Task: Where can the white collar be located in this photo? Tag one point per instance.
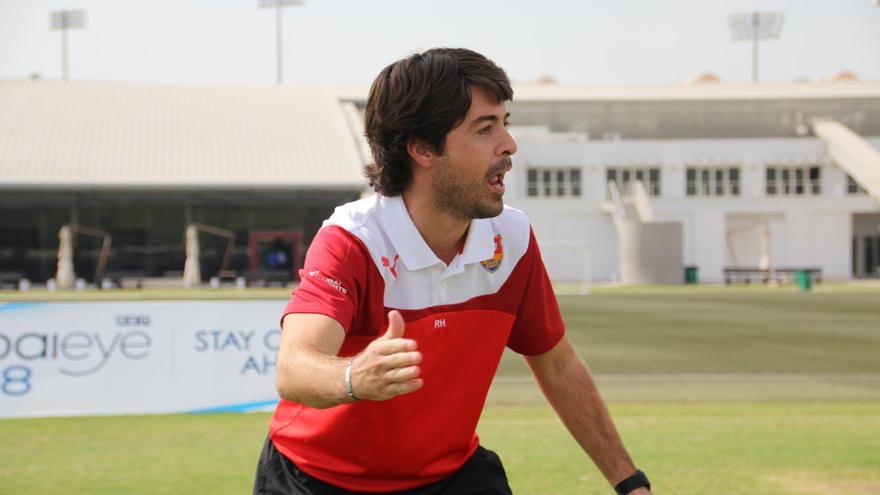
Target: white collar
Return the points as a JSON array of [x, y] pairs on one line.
[[411, 246]]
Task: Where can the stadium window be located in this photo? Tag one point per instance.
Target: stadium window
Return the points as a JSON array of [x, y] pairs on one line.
[[547, 175], [624, 176], [786, 181], [575, 175], [733, 177], [531, 182], [706, 182], [654, 181], [815, 174], [711, 181], [770, 181], [553, 182], [793, 181], [611, 175], [690, 185], [719, 182], [853, 187]]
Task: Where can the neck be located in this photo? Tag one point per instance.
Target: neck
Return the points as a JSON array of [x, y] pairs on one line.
[[443, 233]]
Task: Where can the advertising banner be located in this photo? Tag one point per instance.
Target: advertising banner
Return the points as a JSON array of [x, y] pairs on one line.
[[85, 358]]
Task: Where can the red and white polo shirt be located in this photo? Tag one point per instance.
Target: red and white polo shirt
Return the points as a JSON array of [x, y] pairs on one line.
[[369, 258]]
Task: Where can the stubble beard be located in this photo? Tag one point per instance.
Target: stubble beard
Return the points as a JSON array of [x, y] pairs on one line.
[[463, 198]]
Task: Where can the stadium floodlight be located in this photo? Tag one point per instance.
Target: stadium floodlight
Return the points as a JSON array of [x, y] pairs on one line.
[[62, 20], [278, 5], [756, 26]]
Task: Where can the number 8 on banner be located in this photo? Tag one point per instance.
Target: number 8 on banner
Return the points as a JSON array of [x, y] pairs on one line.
[[16, 380]]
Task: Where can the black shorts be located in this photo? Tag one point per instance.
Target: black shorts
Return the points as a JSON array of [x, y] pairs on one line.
[[482, 474]]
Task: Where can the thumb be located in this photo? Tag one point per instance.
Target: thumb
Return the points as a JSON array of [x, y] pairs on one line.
[[395, 325]]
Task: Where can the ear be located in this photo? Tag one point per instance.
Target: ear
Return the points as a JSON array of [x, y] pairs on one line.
[[422, 154]]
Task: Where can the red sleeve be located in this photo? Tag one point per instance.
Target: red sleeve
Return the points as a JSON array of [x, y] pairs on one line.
[[538, 325], [332, 278]]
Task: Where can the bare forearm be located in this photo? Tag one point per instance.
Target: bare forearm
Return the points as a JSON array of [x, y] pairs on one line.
[[312, 378], [310, 372], [572, 392]]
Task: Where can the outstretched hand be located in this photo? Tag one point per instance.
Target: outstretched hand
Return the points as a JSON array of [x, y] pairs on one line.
[[388, 367]]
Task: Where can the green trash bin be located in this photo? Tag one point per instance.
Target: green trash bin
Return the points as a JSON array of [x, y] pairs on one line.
[[690, 275], [804, 280]]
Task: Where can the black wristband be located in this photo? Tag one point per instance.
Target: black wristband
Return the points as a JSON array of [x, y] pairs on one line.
[[637, 480]]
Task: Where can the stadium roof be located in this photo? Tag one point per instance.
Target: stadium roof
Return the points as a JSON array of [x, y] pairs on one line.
[[103, 135], [697, 91], [712, 110], [120, 135]]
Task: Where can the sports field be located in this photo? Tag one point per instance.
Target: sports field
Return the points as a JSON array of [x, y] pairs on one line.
[[726, 390]]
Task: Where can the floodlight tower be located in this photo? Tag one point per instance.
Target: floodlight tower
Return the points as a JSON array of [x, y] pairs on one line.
[[756, 26], [62, 20], [279, 28]]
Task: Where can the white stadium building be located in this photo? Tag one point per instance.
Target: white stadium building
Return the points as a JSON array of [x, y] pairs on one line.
[[622, 183], [758, 177]]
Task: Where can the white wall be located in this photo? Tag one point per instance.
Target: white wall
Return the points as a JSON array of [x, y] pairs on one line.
[[831, 244]]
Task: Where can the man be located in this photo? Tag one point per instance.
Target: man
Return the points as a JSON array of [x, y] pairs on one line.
[[408, 299]]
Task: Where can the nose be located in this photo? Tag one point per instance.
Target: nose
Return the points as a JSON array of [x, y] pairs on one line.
[[508, 144]]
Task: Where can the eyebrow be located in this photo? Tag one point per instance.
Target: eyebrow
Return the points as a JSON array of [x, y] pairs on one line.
[[487, 118]]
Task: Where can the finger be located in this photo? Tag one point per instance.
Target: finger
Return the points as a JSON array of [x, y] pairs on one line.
[[395, 389], [395, 325], [400, 360], [395, 346], [400, 375]]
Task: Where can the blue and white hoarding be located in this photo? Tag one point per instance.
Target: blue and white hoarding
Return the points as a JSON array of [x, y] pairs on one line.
[[97, 358]]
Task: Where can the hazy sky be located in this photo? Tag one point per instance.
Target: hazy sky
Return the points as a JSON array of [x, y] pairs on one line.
[[349, 41]]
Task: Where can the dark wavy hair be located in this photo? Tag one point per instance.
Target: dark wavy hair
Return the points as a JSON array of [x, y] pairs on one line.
[[423, 97]]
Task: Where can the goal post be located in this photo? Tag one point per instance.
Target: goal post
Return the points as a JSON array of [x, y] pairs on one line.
[[568, 265]]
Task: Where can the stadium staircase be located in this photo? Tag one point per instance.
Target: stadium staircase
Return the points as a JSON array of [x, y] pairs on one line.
[[634, 207], [851, 152], [649, 252]]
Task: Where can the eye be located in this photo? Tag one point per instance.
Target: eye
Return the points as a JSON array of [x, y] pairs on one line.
[[485, 130], [506, 123]]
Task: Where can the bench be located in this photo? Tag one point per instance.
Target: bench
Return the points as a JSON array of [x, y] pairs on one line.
[[780, 275]]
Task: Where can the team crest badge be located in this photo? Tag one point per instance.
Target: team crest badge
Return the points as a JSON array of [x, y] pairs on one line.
[[492, 264]]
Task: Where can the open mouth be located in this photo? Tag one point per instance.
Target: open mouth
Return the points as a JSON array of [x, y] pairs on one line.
[[496, 183]]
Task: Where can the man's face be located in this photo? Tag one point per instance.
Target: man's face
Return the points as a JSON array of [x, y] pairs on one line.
[[468, 181]]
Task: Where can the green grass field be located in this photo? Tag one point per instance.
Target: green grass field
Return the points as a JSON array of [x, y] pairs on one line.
[[721, 390]]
